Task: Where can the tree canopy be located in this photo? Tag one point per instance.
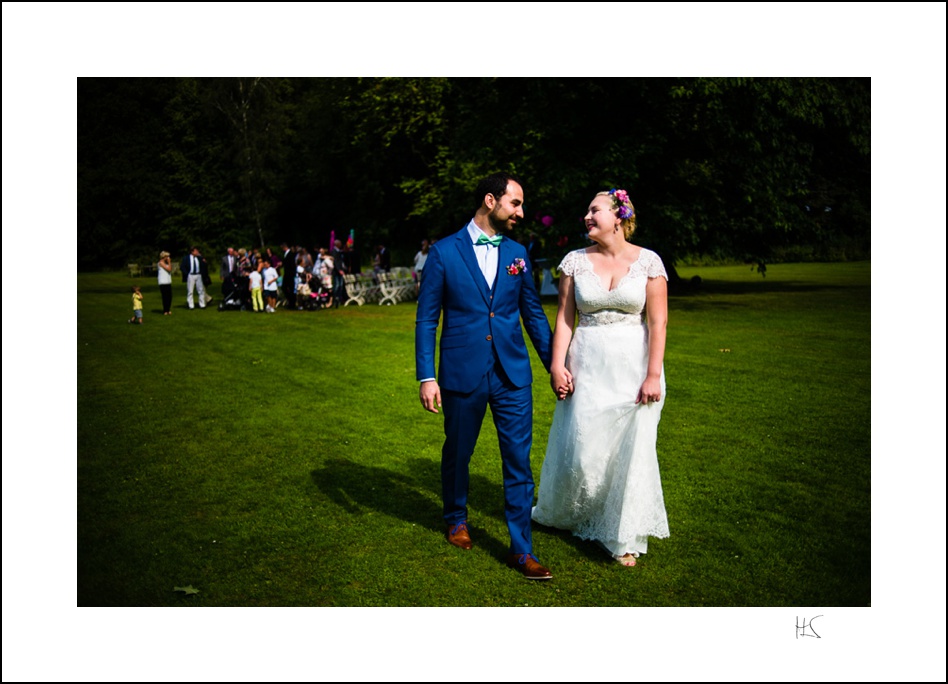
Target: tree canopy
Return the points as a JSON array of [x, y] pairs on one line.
[[731, 168]]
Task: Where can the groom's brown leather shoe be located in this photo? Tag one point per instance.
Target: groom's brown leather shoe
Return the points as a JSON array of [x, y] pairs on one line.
[[459, 536], [528, 566]]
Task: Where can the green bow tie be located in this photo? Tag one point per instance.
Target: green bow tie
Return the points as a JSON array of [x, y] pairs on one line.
[[484, 240]]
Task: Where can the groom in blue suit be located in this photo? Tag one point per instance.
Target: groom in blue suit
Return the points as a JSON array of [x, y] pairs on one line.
[[478, 280]]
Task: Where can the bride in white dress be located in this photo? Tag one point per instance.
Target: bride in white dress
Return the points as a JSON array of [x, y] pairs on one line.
[[600, 477]]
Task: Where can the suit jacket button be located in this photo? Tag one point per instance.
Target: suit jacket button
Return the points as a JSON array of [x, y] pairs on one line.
[[491, 314], [489, 338]]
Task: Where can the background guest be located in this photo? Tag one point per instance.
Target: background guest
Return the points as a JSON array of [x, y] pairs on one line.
[[339, 272], [289, 275], [164, 281], [419, 264], [191, 271], [230, 264]]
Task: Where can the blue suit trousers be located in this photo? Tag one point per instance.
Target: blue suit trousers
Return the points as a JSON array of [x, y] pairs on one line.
[[512, 410]]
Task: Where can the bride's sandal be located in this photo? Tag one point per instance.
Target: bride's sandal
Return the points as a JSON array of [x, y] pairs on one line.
[[627, 560]]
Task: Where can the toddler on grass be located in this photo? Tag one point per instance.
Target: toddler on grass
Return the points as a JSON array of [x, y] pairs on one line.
[[136, 305]]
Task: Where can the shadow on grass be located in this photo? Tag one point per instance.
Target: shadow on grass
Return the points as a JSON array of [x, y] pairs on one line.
[[589, 550], [353, 486], [701, 297], [416, 499], [727, 287]]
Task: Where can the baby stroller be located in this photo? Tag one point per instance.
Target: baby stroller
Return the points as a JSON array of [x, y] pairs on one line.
[[231, 291], [321, 295], [322, 284], [309, 295]]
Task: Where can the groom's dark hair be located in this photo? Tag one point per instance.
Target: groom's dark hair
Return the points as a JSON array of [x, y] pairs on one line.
[[496, 185]]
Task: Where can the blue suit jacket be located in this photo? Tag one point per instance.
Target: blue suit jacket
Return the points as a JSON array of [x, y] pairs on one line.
[[477, 321]]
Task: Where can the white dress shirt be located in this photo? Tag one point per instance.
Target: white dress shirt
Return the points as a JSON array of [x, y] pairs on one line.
[[487, 255]]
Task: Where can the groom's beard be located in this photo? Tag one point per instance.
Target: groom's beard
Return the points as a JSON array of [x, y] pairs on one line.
[[500, 224]]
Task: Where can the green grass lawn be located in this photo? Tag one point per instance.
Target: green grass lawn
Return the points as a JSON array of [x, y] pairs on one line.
[[285, 460]]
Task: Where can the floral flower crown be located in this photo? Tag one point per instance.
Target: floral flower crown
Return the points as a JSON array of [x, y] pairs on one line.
[[620, 198]]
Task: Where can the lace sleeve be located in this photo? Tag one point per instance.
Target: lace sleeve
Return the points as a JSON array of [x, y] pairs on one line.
[[569, 263], [655, 268]]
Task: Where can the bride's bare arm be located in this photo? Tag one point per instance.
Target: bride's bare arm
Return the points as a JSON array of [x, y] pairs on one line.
[[561, 380], [656, 298]]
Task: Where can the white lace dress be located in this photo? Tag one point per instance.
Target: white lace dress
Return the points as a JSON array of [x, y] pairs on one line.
[[600, 477]]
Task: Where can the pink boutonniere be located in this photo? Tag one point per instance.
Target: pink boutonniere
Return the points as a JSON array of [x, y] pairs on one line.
[[517, 267]]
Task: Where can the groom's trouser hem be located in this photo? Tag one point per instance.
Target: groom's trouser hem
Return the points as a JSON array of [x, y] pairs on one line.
[[512, 410]]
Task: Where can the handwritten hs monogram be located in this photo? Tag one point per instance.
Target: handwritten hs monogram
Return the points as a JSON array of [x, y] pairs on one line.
[[804, 626]]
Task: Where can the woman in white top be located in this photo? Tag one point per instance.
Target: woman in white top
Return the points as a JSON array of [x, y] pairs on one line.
[[164, 281]]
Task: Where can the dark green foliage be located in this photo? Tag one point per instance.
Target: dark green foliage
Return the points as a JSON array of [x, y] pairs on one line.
[[284, 460], [757, 170], [122, 186]]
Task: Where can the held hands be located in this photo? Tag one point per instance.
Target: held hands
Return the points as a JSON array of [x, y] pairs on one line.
[[561, 380], [430, 395], [651, 391]]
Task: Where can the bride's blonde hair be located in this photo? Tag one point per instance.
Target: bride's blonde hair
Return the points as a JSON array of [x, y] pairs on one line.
[[622, 206]]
